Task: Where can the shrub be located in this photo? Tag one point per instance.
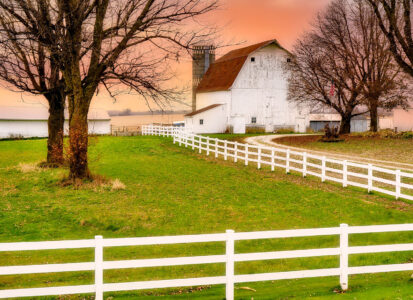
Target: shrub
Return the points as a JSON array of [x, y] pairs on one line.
[[229, 129], [407, 135], [309, 130], [286, 130], [15, 136], [331, 133], [385, 134], [255, 129]]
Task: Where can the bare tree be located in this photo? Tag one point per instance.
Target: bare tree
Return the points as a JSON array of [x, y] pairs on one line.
[[28, 66], [386, 85], [104, 43], [322, 71], [395, 20], [343, 63]]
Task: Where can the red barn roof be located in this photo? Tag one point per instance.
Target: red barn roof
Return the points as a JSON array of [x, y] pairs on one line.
[[222, 74]]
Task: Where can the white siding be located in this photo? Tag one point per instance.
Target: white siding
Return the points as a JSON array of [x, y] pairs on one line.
[[214, 121], [25, 129], [260, 91], [403, 119], [207, 99], [38, 128]]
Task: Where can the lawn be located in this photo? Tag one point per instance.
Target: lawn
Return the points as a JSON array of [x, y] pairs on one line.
[[399, 150], [172, 190]]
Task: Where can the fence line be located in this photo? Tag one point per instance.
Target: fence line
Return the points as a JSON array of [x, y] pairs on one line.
[[229, 258], [367, 176]]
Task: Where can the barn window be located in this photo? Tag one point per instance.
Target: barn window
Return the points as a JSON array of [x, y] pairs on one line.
[[288, 59], [252, 59], [254, 120], [201, 121]]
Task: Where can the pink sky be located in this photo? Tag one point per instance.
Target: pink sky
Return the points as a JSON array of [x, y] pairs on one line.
[[250, 21]]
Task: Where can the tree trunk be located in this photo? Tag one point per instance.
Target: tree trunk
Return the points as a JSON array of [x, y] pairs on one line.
[[345, 125], [55, 126], [373, 117], [78, 140]]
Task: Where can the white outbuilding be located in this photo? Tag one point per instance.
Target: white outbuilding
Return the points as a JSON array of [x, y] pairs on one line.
[[245, 88], [27, 122]]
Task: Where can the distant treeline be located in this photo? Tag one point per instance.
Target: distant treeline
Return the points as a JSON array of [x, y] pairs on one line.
[[129, 112]]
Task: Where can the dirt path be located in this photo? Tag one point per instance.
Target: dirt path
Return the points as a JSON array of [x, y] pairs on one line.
[[267, 140]]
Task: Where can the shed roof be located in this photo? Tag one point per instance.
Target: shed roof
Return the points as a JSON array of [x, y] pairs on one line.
[[40, 113], [222, 74], [202, 110]]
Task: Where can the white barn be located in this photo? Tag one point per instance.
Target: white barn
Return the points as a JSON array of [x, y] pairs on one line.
[[27, 122], [246, 88]]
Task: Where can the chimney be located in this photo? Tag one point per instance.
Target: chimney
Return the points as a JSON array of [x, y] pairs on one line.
[[202, 58]]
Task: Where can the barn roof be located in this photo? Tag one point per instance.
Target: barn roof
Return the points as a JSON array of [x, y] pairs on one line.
[[40, 113], [202, 110], [222, 74]]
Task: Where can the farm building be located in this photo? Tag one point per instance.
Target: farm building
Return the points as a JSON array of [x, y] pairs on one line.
[[29, 122], [398, 119], [246, 88], [327, 115]]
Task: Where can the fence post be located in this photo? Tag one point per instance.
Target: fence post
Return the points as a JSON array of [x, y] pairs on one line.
[[345, 167], [323, 169], [99, 267], [370, 178], [193, 142], [179, 138], [230, 265], [225, 150], [259, 158], [305, 164], [272, 160], [287, 162], [246, 154], [398, 184], [207, 145], [216, 147], [236, 152], [344, 257], [200, 144]]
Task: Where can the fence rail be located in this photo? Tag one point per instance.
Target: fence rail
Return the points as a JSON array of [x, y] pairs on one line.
[[229, 258], [396, 183]]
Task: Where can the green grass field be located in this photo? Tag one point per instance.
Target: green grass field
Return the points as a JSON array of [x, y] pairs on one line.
[[171, 191]]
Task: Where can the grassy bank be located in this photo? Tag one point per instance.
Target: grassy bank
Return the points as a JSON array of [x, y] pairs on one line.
[[390, 149], [172, 190]]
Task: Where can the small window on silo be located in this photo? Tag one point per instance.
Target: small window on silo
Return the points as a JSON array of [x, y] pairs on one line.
[[252, 59]]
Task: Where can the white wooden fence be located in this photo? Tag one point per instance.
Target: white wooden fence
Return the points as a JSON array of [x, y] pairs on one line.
[[229, 258], [367, 176]]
